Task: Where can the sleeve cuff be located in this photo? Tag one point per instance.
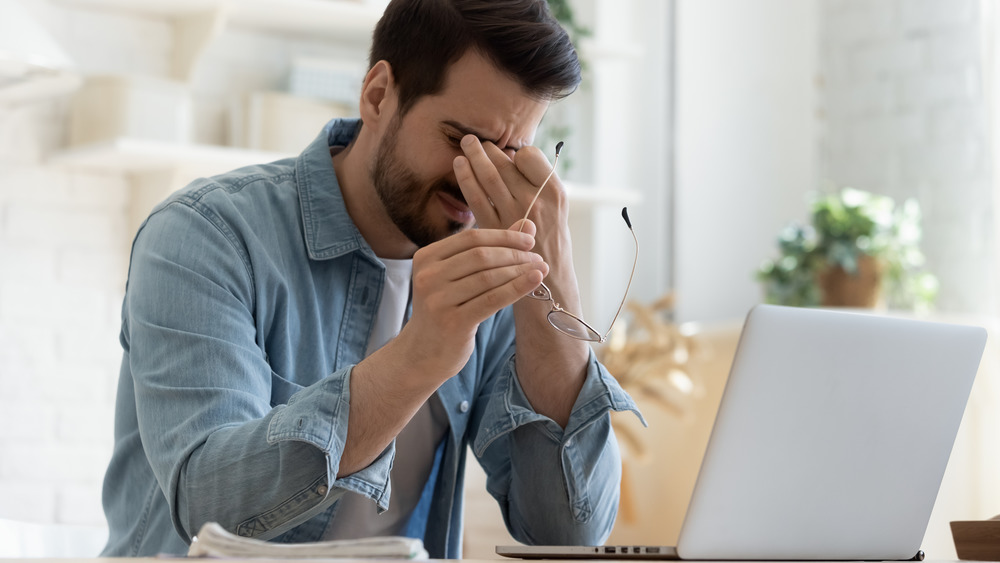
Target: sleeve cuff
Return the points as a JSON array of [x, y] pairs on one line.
[[509, 408], [320, 418]]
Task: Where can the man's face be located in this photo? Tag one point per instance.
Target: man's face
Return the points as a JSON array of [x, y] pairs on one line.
[[412, 167]]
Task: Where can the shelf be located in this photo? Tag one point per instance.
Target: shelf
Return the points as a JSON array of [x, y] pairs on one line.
[[125, 156], [199, 22], [129, 156], [36, 88], [332, 18]]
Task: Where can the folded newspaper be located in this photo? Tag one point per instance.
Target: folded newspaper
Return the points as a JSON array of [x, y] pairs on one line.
[[214, 541]]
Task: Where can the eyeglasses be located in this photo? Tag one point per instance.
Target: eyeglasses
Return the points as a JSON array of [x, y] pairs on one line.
[[561, 319]]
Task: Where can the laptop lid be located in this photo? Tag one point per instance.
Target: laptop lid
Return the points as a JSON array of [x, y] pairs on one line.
[[832, 437]]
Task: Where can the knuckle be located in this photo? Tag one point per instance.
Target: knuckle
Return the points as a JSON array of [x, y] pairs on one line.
[[423, 279], [476, 236], [494, 299], [494, 179], [487, 277], [480, 254], [505, 165], [419, 257]]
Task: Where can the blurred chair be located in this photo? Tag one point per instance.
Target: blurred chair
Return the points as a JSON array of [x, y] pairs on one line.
[[657, 486], [29, 539], [659, 472]]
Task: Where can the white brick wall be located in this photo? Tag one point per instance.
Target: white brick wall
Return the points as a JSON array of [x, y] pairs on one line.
[[64, 242], [63, 257], [904, 115], [62, 264]]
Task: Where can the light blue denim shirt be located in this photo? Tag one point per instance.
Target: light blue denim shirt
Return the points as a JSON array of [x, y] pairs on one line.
[[250, 297]]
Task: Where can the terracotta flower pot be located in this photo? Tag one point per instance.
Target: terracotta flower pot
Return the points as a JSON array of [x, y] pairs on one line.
[[838, 288]]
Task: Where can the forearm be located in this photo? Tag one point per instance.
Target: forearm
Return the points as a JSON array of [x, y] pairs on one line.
[[551, 366], [386, 390]]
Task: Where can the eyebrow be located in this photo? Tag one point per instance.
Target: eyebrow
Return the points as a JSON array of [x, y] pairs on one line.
[[466, 130]]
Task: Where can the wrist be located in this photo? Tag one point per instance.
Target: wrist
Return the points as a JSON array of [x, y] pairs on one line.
[[427, 361]]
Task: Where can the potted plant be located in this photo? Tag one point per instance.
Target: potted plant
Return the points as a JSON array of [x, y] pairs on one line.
[[859, 250]]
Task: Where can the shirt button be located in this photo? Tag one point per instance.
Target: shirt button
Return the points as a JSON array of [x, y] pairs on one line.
[[321, 490], [569, 443], [463, 406]]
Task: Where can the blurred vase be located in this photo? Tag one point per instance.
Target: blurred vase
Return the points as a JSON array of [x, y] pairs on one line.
[[839, 288]]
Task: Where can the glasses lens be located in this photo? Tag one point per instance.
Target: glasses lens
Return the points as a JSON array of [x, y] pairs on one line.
[[572, 326]]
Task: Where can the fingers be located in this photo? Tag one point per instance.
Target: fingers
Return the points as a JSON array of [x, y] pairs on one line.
[[526, 226], [531, 163], [487, 303], [483, 185], [482, 259], [484, 292], [479, 202], [471, 275], [476, 252], [475, 238], [494, 185]]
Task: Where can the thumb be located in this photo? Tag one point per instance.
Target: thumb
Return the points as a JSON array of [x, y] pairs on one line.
[[526, 226]]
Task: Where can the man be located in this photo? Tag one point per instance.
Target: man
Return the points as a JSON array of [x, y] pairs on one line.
[[275, 348]]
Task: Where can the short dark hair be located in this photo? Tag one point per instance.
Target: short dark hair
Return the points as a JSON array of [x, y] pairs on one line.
[[420, 39]]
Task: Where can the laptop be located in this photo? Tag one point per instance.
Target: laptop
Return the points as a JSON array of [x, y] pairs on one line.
[[830, 441]]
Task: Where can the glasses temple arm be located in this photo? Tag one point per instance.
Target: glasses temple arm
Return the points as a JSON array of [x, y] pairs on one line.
[[635, 260], [542, 187]]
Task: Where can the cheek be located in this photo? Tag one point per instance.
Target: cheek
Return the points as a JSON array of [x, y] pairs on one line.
[[429, 161], [438, 165]]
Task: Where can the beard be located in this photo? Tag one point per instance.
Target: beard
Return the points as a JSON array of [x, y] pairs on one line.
[[403, 195]]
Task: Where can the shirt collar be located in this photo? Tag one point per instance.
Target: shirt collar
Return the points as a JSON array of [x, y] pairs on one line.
[[328, 229]]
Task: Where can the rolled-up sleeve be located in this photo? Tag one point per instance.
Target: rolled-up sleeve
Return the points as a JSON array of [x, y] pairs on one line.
[[555, 486], [223, 443]]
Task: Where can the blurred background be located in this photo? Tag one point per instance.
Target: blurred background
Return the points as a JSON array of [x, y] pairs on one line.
[[716, 121]]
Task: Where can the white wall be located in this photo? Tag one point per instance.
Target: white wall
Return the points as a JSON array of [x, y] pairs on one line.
[[62, 262], [64, 241], [781, 98], [63, 256], [906, 116], [745, 140]]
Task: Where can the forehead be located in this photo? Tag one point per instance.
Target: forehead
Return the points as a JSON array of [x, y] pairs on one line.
[[486, 100]]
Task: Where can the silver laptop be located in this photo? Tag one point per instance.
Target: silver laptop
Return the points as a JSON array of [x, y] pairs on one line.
[[830, 442]]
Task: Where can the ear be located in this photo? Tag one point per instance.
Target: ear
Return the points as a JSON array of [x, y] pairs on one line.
[[378, 95]]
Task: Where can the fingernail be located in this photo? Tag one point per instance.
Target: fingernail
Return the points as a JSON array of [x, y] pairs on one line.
[[468, 141]]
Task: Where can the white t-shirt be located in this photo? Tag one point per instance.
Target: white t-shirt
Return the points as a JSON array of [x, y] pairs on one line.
[[356, 515]]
